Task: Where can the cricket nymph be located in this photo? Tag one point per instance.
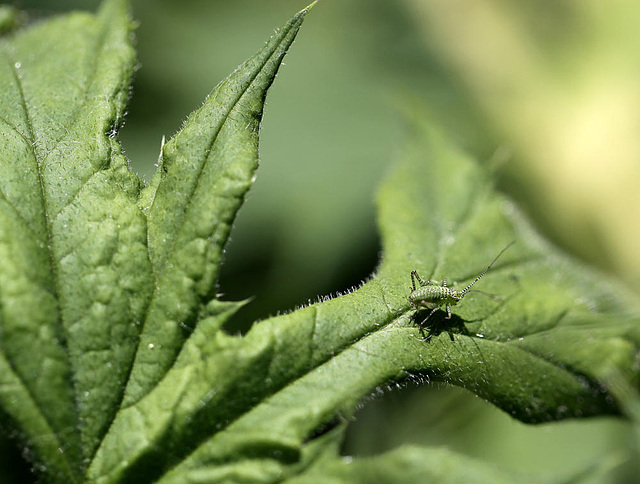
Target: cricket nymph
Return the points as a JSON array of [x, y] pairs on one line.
[[433, 295]]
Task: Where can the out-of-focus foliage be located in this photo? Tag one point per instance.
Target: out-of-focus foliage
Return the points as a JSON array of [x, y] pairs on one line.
[[559, 84]]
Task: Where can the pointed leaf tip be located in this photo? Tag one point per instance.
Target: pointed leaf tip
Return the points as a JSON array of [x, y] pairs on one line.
[[309, 7], [188, 221]]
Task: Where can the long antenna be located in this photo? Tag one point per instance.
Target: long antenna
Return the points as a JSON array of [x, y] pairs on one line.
[[466, 289]]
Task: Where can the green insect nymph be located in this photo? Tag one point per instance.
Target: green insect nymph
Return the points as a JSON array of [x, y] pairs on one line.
[[434, 295]]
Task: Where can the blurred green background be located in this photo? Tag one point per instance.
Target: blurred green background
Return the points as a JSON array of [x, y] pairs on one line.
[[549, 89]]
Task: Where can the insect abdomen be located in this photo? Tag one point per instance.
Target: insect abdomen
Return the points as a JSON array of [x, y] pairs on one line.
[[433, 296]]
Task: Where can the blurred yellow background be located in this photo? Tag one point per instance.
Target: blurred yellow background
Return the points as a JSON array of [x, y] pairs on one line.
[[559, 83]]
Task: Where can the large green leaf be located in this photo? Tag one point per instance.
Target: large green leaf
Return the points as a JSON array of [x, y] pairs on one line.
[[96, 275], [114, 366], [538, 354]]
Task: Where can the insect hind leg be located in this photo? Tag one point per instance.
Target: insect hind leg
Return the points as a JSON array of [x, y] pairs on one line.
[[428, 282], [421, 323]]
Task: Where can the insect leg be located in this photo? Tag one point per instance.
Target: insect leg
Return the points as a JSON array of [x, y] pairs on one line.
[[421, 324], [414, 276], [444, 283], [428, 337], [448, 312]]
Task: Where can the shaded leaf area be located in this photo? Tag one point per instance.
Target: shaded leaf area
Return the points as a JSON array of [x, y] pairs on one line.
[[9, 18]]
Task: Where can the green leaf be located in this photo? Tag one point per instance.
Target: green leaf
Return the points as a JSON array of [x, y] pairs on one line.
[[90, 260], [296, 376], [113, 364], [559, 329], [204, 173], [72, 247]]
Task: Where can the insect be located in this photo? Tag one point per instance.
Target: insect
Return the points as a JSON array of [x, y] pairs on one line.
[[434, 295]]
